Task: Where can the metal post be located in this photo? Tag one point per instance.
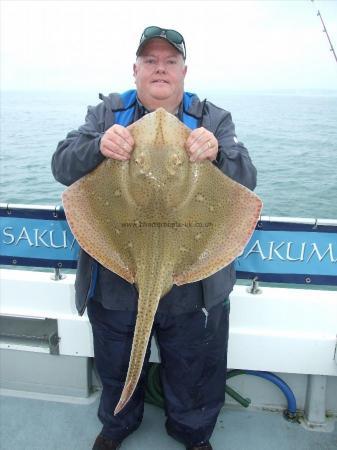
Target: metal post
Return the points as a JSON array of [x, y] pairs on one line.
[[315, 405], [254, 287], [57, 275]]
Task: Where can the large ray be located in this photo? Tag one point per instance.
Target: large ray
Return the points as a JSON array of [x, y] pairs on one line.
[[159, 220]]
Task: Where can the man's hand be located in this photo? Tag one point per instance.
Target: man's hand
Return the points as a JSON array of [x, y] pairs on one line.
[[202, 144], [117, 143]]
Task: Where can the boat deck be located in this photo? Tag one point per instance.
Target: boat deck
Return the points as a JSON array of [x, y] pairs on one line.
[[32, 424]]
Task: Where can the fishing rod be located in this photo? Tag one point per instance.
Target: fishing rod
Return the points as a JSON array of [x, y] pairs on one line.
[[327, 34]]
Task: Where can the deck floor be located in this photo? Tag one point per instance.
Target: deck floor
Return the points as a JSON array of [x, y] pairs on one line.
[[29, 424]]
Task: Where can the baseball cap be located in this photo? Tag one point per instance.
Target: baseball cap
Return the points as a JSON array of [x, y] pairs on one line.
[[171, 36]]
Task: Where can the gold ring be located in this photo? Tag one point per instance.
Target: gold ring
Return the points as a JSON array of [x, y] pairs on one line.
[[209, 144]]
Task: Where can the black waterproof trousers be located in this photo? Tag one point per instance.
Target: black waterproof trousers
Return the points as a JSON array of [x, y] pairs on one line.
[[193, 351]]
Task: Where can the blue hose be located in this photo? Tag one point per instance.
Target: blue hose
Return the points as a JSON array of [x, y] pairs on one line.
[[154, 393], [291, 411]]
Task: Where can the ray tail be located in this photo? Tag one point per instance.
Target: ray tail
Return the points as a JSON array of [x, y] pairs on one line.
[[147, 307]]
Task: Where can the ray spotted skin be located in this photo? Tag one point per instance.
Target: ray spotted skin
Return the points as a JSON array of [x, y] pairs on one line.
[[158, 220]]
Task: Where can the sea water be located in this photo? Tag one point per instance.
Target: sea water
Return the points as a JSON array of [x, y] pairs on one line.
[[291, 138]]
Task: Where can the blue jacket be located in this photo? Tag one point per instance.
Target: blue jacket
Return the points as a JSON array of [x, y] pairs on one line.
[[79, 154]]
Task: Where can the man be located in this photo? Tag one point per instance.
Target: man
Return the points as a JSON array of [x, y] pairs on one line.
[[191, 323]]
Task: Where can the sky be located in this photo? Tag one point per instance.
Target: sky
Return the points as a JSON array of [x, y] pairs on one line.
[[231, 45]]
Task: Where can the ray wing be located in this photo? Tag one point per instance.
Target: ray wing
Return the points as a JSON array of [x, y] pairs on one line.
[[219, 220], [99, 217]]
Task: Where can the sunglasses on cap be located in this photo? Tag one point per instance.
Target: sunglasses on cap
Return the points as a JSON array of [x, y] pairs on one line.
[[172, 36]]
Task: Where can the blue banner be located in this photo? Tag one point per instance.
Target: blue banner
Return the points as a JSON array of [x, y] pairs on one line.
[[278, 251], [290, 256], [39, 242]]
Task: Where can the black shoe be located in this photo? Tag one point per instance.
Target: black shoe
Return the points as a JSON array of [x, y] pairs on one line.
[[103, 443], [203, 446]]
